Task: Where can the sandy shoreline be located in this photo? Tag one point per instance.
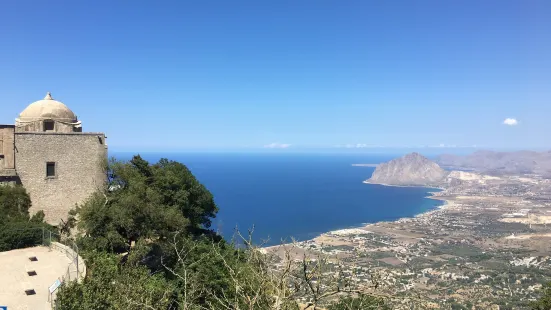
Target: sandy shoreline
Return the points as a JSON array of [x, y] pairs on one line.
[[454, 249], [365, 165], [358, 229], [393, 185], [446, 204]]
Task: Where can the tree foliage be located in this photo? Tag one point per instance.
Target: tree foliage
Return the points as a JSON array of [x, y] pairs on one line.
[[145, 202], [147, 245], [17, 228], [111, 285], [14, 202], [544, 302]]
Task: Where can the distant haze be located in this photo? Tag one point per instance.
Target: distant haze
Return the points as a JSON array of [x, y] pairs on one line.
[[520, 162]]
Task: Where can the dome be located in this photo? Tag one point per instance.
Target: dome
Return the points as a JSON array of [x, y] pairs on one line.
[[48, 108]]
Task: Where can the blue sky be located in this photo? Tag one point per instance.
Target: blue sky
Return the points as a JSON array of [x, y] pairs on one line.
[[176, 75]]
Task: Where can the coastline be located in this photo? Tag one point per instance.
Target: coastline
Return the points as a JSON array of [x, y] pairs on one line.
[[366, 165], [354, 230], [394, 185], [363, 228], [453, 249]]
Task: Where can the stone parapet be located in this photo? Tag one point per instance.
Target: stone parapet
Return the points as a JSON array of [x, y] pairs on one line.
[[78, 267]]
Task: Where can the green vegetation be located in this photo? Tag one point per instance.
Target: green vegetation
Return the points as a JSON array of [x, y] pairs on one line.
[[458, 250], [110, 285], [17, 228], [14, 202], [339, 248], [145, 202], [544, 302], [363, 302], [147, 245]]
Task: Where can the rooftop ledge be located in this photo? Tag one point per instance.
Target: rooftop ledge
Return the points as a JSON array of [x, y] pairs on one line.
[[59, 133], [8, 173]]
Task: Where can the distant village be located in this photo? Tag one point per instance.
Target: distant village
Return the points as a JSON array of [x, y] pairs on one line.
[[487, 246]]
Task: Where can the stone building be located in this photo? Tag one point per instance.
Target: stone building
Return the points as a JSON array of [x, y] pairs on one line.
[[48, 153]]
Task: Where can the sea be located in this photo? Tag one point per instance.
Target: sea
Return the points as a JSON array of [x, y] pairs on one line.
[[280, 196]]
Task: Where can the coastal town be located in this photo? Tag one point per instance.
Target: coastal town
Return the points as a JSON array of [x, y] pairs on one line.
[[487, 246]]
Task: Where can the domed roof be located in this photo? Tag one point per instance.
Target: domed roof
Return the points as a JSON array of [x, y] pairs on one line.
[[48, 108]]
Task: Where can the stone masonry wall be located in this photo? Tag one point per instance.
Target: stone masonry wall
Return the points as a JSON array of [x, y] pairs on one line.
[[78, 158], [6, 147]]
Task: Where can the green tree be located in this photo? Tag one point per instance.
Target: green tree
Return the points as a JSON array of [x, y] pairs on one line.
[[544, 302], [17, 228], [148, 232], [145, 202], [111, 285], [147, 244], [14, 202]]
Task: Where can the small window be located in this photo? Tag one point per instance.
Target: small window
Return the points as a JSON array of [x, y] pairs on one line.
[[50, 169], [48, 125]]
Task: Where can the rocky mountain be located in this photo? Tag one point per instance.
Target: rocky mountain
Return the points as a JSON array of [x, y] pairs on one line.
[[499, 163], [411, 169]]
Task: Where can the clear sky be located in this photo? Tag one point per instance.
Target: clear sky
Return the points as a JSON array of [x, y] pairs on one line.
[[172, 75]]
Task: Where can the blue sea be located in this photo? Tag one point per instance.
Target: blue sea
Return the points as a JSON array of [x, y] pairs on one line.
[[296, 195]]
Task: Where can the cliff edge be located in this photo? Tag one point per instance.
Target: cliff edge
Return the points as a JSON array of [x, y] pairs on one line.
[[411, 169]]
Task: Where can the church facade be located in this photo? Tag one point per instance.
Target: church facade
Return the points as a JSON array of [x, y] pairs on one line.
[[49, 154]]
